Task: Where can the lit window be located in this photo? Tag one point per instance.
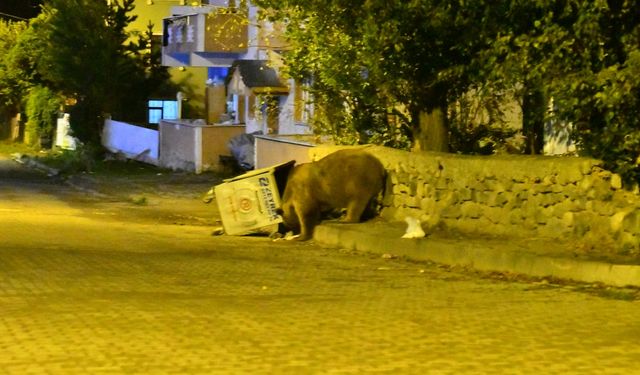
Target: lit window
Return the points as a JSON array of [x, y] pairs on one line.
[[162, 109], [155, 115]]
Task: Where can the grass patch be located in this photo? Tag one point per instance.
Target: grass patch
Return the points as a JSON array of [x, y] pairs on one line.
[[107, 167], [8, 148], [89, 160]]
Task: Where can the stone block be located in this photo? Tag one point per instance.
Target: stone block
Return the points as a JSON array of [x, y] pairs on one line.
[[441, 184], [586, 221], [388, 199], [603, 208], [484, 225], [519, 179], [629, 242], [579, 204], [485, 197], [616, 181], [412, 201], [569, 176], [516, 216], [568, 219], [400, 168], [499, 186], [586, 183], [389, 213], [530, 224], [476, 185], [561, 208], [431, 222], [451, 212], [496, 215], [465, 194], [529, 208], [556, 226], [603, 189], [513, 201], [401, 188], [460, 182], [617, 220], [413, 186], [471, 210], [428, 190], [623, 200], [428, 205], [549, 180], [399, 200], [549, 199], [393, 177], [632, 222], [523, 195], [542, 215], [497, 199], [448, 198], [587, 166], [420, 190], [537, 189]]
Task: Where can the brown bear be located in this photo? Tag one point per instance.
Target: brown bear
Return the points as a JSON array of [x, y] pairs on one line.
[[346, 179]]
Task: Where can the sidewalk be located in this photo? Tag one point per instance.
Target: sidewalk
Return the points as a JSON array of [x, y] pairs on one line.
[[533, 257]]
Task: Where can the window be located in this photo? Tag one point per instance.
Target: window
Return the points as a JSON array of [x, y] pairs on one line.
[[162, 109], [302, 106]]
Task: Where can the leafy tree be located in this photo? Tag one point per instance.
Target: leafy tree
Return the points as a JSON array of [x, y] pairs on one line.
[[90, 58], [79, 50], [42, 108], [601, 90], [386, 68], [327, 52], [12, 81], [148, 55], [386, 71], [16, 71], [585, 55]]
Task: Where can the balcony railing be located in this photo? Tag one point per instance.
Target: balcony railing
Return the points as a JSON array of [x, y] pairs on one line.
[[224, 30]]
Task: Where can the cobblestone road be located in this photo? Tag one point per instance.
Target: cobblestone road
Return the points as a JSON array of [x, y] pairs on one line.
[[87, 289]]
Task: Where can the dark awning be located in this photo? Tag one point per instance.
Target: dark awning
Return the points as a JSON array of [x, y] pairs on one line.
[[256, 76]]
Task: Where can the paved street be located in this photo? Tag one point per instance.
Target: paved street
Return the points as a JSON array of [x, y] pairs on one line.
[[103, 284]]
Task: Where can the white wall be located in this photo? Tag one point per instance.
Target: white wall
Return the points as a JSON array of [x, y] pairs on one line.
[[131, 140], [63, 137], [287, 123]]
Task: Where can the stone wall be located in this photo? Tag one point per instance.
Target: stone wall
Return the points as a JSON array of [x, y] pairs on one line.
[[568, 198]]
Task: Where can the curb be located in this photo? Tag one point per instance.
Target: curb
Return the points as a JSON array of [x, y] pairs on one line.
[[35, 164], [483, 255]]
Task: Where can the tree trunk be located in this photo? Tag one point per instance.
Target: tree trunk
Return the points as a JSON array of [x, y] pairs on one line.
[[432, 133], [533, 110], [10, 128]]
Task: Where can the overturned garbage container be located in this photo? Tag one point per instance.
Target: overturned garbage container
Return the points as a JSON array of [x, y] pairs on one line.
[[249, 202]]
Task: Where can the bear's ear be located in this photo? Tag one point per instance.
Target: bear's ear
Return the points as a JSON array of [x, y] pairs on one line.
[[279, 211]]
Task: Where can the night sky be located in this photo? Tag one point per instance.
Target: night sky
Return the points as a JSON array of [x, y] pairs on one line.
[[16, 10]]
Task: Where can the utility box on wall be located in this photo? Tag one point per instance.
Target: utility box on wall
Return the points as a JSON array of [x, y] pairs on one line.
[[250, 201]]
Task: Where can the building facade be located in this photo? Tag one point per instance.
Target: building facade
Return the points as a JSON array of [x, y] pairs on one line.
[[240, 52]]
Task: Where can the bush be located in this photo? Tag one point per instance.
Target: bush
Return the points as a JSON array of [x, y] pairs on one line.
[[42, 110]]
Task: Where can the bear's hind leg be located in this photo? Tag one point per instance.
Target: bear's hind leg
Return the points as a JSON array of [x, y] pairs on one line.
[[354, 210]]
